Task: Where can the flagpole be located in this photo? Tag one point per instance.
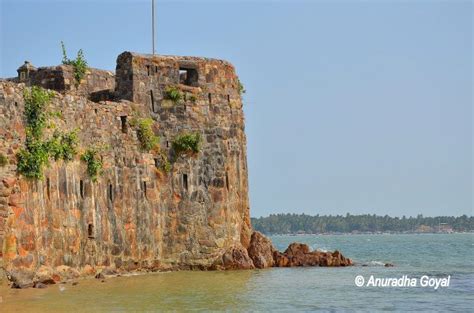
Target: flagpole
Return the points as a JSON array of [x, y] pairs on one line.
[[153, 25]]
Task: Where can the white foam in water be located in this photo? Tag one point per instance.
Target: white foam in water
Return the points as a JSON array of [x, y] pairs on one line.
[[376, 263]]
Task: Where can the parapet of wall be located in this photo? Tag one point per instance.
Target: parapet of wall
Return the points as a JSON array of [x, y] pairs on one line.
[[61, 78], [135, 215]]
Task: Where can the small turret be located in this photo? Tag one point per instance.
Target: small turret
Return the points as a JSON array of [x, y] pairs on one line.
[[25, 71]]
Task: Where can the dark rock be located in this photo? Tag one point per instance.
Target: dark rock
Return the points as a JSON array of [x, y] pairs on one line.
[[261, 250], [298, 254], [21, 279], [100, 276], [235, 258], [40, 285], [389, 265]]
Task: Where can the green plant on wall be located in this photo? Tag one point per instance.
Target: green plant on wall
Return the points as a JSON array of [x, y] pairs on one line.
[[33, 158], [79, 64], [145, 134], [36, 154], [3, 160], [241, 87], [164, 163], [94, 163], [63, 145], [36, 102], [173, 93], [187, 143]]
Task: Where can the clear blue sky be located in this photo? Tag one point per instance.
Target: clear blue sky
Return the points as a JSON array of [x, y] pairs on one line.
[[360, 107]]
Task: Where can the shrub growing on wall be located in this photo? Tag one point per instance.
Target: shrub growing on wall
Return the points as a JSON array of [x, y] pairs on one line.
[[32, 159], [187, 143], [174, 94], [36, 102], [94, 163], [63, 146], [3, 160], [79, 64], [145, 133], [35, 155]]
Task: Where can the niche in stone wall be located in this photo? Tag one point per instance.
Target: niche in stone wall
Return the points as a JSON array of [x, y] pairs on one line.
[[111, 193], [123, 121], [144, 188], [90, 231], [148, 70], [227, 180], [152, 99], [185, 182], [48, 188], [188, 76], [81, 188]]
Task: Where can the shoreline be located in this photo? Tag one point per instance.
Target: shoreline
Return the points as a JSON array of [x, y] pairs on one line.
[[371, 233]]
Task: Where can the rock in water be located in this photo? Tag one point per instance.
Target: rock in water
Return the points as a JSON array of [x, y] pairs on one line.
[[299, 254], [261, 250]]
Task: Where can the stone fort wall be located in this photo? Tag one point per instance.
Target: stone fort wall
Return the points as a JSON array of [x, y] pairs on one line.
[[136, 216]]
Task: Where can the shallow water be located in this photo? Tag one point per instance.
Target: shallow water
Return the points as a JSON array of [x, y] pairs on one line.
[[289, 289]]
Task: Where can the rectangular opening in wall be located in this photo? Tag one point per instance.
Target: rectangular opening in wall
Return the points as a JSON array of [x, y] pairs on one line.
[[123, 121], [188, 76], [185, 181], [148, 70], [90, 231], [152, 99], [81, 188], [156, 69], [144, 188], [48, 188], [209, 96], [228, 99], [227, 180], [111, 193]]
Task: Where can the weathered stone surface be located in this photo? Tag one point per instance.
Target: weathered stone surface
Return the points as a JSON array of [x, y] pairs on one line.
[[261, 250], [21, 278], [136, 216], [235, 258], [45, 275]]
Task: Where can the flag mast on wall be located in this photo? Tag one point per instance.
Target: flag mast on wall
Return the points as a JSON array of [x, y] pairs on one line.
[[153, 25]]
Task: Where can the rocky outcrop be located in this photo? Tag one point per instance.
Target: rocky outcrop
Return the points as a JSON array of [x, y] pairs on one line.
[[261, 250], [299, 254], [264, 255]]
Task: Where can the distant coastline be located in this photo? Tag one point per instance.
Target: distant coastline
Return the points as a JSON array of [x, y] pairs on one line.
[[303, 224]]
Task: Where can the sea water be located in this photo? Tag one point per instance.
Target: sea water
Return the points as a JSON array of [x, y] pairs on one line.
[[436, 256]]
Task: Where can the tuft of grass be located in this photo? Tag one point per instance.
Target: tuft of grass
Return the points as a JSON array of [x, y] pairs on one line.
[[187, 143], [146, 136], [3, 160], [174, 94]]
